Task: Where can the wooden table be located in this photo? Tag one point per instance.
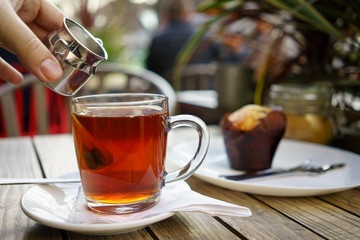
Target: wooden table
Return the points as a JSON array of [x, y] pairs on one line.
[[334, 216]]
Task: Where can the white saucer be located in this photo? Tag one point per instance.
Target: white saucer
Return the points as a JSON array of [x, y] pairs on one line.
[[290, 153], [51, 205]]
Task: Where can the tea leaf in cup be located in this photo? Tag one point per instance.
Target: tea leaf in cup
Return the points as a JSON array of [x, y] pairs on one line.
[[96, 160]]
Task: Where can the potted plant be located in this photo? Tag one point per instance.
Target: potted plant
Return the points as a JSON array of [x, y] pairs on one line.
[[325, 33]]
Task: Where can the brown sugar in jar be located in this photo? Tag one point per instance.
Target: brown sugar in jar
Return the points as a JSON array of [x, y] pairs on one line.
[[307, 110]]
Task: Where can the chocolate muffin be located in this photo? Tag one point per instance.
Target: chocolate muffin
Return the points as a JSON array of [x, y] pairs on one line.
[[251, 136]]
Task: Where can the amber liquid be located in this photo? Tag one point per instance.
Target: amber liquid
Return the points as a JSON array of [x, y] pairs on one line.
[[120, 153]]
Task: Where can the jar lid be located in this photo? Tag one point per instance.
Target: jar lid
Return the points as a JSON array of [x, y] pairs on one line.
[[300, 98]]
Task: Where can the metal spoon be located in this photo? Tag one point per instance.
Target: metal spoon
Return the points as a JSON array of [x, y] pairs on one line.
[[303, 168], [12, 181]]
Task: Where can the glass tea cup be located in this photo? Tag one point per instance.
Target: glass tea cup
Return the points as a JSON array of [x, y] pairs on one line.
[[120, 142]]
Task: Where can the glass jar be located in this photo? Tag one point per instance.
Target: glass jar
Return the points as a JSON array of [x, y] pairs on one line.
[[307, 109]]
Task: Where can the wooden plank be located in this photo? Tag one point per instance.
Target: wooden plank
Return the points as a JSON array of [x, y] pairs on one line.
[[326, 219], [18, 159], [57, 154], [265, 223], [191, 226], [348, 200], [140, 234]]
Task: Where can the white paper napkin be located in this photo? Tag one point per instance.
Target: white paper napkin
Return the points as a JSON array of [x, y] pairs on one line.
[[174, 198]]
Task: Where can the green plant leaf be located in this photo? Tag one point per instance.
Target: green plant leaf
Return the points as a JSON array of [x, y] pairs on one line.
[[262, 69], [306, 12]]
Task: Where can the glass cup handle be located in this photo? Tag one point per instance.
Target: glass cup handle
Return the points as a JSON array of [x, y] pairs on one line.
[[202, 148]]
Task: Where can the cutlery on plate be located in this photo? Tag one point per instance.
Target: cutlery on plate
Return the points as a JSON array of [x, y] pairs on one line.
[[303, 168], [12, 181]]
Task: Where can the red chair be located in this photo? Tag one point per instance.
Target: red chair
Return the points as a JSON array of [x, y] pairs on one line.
[[30, 108]]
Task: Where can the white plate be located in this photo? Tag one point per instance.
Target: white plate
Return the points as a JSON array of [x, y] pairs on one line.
[[51, 206], [290, 153]]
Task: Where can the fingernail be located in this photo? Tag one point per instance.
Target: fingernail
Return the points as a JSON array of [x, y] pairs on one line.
[[51, 70]]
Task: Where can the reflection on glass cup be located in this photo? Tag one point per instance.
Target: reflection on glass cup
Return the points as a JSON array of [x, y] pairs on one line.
[[120, 142]]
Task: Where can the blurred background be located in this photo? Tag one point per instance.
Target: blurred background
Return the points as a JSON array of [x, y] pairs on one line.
[[125, 26]]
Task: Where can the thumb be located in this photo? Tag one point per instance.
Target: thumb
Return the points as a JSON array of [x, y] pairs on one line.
[[31, 52], [39, 61]]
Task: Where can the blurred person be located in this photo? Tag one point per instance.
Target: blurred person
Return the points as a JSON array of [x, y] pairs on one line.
[[234, 49], [23, 24], [167, 43]]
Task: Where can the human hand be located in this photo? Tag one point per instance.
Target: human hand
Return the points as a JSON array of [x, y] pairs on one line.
[[23, 25]]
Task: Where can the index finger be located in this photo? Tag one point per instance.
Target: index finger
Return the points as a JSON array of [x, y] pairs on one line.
[[49, 16]]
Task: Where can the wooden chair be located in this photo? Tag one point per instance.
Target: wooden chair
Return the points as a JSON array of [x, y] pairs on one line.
[[110, 77], [199, 77], [32, 103], [117, 78]]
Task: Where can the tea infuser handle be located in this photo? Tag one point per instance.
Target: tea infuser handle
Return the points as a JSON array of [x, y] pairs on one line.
[[99, 41], [201, 151], [55, 52]]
